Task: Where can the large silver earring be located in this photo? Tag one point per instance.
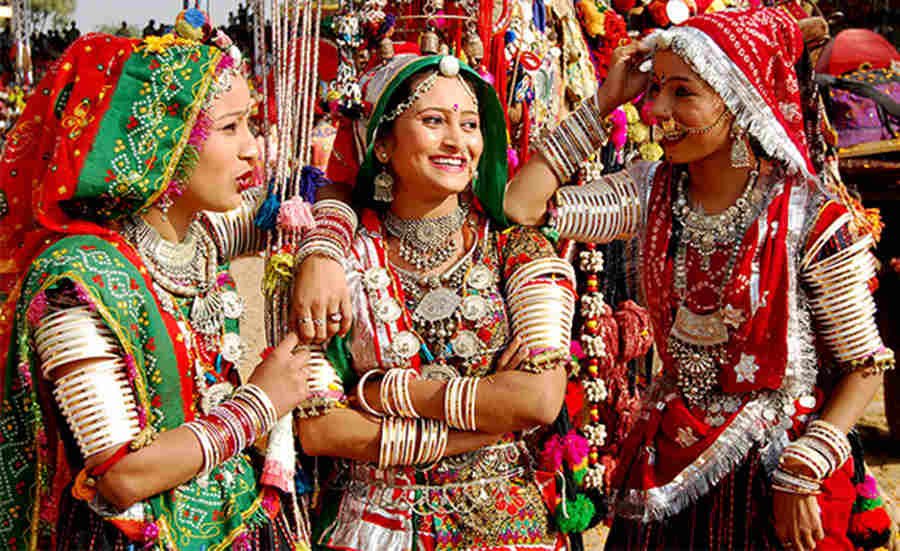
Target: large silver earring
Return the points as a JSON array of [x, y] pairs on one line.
[[741, 157], [384, 186]]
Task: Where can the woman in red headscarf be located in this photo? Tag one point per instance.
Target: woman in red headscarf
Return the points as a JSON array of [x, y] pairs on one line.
[[123, 421], [758, 284]]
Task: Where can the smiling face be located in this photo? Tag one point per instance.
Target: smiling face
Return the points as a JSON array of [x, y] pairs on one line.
[[693, 117], [433, 148], [226, 157]]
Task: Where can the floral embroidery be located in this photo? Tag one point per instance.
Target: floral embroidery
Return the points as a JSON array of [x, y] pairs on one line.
[[746, 369]]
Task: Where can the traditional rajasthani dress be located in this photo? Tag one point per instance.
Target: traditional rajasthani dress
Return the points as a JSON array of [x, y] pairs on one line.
[[490, 497], [752, 331], [447, 327], [107, 130]]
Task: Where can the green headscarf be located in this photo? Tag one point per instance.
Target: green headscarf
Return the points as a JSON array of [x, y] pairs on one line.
[[379, 87]]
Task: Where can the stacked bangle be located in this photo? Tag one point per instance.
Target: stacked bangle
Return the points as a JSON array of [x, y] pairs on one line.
[[460, 396], [823, 449], [843, 305], [411, 441], [333, 234], [396, 399], [574, 140], [233, 425], [598, 212], [541, 300]]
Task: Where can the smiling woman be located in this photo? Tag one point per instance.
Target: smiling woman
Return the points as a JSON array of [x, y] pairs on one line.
[[460, 332]]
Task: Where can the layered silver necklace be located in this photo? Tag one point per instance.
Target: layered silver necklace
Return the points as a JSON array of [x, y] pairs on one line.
[[426, 243], [186, 269], [697, 341]]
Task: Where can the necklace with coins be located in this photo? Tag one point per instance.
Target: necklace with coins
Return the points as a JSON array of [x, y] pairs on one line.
[[697, 342], [439, 303], [426, 243], [187, 273]]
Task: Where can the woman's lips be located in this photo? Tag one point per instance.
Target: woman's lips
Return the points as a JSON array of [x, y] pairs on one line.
[[245, 180], [453, 165]]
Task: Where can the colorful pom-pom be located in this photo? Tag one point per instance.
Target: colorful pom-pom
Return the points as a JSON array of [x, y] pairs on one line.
[[267, 216], [295, 215], [619, 134], [575, 514]]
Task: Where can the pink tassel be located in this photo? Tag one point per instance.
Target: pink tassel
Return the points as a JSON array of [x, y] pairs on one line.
[[551, 456], [576, 448], [619, 134], [512, 159], [868, 488], [295, 215]]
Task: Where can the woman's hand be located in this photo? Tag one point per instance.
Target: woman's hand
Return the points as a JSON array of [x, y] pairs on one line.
[[282, 375], [798, 521], [514, 356], [320, 300], [625, 79]]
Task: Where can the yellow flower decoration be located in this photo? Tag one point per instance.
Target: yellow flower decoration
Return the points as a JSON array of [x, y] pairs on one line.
[[158, 44], [638, 132], [631, 113], [651, 151]]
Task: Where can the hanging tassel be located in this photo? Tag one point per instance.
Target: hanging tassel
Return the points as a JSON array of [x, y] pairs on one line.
[[539, 13], [311, 179], [267, 216]]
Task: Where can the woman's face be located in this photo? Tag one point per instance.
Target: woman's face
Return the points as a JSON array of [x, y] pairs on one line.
[[682, 100], [226, 157], [434, 147]]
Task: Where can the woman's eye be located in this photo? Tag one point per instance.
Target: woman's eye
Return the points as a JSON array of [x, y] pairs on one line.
[[229, 127], [432, 119], [470, 125], [683, 92]]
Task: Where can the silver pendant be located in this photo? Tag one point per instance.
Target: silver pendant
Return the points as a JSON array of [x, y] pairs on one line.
[[214, 395], [439, 372], [405, 345], [699, 329], [437, 305], [232, 305], [480, 277], [474, 307], [466, 344], [232, 347], [387, 310], [377, 279]]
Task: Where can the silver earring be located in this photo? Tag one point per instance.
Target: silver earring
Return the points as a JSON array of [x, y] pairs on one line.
[[384, 187], [741, 157]]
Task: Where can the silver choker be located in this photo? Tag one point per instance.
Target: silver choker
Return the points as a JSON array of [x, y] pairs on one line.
[[426, 243]]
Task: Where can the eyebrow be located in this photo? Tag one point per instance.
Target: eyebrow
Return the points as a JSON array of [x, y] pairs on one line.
[[446, 110], [235, 113], [678, 78]]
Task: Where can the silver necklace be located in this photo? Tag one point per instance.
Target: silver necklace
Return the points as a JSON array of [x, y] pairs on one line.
[[697, 341], [426, 243], [708, 231]]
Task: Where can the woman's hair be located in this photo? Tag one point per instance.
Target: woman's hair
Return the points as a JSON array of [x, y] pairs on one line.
[[363, 193]]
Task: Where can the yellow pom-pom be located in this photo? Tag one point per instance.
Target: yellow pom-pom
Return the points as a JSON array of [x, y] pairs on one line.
[[631, 113], [593, 19], [279, 271], [651, 151], [638, 132]]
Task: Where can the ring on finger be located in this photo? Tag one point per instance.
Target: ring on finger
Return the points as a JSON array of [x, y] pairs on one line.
[[318, 322], [335, 317], [305, 320]]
